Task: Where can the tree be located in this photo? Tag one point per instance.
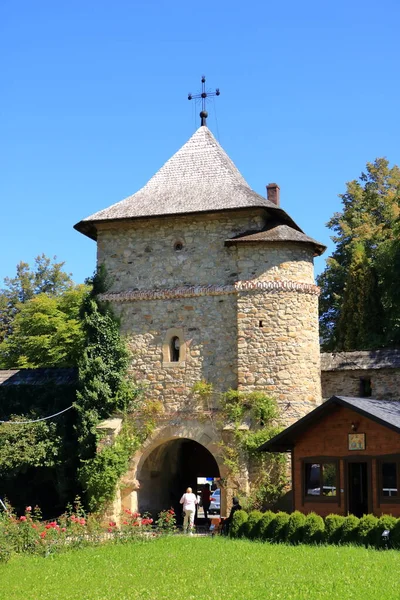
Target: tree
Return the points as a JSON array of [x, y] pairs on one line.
[[46, 277], [355, 296], [47, 331], [104, 390]]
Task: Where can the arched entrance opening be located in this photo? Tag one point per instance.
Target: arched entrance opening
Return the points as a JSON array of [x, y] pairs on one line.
[[169, 470]]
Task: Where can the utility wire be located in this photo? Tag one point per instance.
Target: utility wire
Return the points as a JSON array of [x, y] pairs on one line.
[[37, 420]]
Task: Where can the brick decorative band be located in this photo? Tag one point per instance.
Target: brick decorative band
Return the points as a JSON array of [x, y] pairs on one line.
[[189, 291]]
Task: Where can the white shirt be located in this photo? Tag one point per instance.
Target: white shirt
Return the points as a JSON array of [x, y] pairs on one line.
[[189, 501]]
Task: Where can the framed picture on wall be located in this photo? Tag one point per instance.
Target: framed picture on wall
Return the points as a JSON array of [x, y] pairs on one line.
[[356, 441]]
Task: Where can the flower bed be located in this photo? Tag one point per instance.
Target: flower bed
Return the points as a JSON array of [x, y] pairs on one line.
[[28, 533]]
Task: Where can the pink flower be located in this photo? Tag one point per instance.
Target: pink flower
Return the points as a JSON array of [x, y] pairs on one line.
[[22, 518], [82, 521], [112, 524], [28, 509], [63, 529]]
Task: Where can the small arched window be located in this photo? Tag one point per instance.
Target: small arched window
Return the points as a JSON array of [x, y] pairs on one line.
[[174, 349]]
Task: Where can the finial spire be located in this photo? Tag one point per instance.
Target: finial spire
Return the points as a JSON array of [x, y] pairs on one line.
[[203, 96]]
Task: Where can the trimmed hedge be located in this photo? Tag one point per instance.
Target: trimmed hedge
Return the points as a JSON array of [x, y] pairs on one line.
[[297, 528]]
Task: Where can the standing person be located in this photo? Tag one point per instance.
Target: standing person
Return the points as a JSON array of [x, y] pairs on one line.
[[206, 500], [189, 502]]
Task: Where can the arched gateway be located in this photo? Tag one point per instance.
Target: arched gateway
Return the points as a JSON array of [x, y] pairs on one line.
[[171, 460], [169, 469]]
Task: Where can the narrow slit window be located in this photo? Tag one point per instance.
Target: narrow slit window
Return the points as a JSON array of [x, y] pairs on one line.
[[175, 349], [365, 387]]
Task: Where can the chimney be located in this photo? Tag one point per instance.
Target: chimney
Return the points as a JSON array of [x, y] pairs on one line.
[[273, 190]]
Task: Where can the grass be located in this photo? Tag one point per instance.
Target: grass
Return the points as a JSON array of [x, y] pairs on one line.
[[204, 569]]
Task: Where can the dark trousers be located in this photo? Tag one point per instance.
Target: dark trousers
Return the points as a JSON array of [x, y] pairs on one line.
[[206, 508]]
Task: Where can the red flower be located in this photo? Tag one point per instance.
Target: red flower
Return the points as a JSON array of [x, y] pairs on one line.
[[43, 535], [34, 526], [82, 521], [22, 518], [112, 524], [125, 522]]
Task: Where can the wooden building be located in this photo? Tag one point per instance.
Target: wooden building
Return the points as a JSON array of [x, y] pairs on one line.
[[345, 457]]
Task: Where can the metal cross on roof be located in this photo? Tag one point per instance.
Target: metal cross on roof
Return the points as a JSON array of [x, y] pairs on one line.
[[203, 96]]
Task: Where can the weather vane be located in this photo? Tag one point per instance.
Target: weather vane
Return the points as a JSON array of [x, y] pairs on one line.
[[203, 96]]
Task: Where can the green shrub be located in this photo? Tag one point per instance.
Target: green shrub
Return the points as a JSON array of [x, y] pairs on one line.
[[384, 522], [262, 527], [250, 527], [366, 530], [350, 530], [395, 535], [313, 529], [295, 527], [333, 528], [237, 526], [277, 530]]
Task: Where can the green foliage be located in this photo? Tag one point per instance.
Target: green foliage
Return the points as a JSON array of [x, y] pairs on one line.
[[277, 530], [104, 390], [395, 535], [47, 277], [313, 529], [166, 521], [259, 413], [261, 530], [31, 445], [359, 304], [366, 530], [250, 528], [350, 530], [99, 475], [295, 527], [237, 527], [385, 522], [333, 528], [47, 332]]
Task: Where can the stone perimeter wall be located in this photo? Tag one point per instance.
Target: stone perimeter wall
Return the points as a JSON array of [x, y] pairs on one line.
[[385, 383]]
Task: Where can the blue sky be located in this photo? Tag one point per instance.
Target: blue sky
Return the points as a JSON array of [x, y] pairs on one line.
[[94, 100]]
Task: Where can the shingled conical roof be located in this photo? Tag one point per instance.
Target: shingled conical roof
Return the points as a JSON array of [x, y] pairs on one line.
[[200, 177]]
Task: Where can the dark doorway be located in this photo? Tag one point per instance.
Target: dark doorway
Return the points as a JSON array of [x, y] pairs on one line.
[[169, 470], [357, 488]]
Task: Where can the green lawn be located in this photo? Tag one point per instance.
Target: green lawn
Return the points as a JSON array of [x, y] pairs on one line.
[[180, 568]]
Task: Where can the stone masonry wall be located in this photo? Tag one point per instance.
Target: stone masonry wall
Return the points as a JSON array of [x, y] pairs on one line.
[[385, 383], [142, 255], [278, 350], [275, 262], [209, 332]]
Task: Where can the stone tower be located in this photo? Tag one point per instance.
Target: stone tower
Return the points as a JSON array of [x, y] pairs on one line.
[[212, 282]]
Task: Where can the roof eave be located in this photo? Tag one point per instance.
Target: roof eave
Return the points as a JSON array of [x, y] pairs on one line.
[[88, 227], [318, 249], [287, 438]]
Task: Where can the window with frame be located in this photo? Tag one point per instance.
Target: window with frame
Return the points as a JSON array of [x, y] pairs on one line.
[[389, 469], [320, 480]]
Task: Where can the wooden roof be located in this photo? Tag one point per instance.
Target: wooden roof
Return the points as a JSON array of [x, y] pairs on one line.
[[384, 412]]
